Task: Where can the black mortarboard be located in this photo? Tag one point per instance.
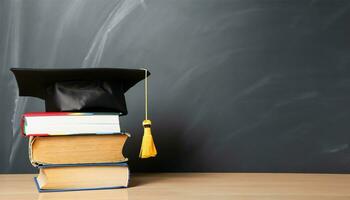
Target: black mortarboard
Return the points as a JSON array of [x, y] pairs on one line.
[[79, 89]]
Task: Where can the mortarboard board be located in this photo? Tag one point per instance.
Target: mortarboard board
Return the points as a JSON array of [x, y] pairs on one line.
[[79, 89]]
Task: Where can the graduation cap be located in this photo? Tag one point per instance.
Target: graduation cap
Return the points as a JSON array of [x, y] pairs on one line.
[[85, 90]]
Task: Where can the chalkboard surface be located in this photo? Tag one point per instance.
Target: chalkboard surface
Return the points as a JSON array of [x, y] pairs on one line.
[[249, 86]]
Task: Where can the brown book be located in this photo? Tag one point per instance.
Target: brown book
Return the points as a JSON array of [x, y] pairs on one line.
[[77, 149], [87, 177]]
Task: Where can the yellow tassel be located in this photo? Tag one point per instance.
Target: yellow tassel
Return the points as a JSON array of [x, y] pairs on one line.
[[148, 149]]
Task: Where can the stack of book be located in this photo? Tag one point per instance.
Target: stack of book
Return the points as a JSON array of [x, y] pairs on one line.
[[76, 151]]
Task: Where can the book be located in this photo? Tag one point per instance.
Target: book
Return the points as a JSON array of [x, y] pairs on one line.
[[55, 178], [69, 123], [77, 149]]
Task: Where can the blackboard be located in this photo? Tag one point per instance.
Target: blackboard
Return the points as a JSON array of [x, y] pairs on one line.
[[236, 85]]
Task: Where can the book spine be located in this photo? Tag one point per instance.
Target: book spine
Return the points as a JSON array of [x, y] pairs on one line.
[[120, 164], [38, 114], [21, 128], [64, 134], [34, 114], [30, 151]]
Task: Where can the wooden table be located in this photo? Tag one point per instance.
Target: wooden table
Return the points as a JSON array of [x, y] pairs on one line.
[[216, 186]]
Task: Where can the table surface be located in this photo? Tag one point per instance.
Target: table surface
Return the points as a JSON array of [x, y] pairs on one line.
[[195, 186]]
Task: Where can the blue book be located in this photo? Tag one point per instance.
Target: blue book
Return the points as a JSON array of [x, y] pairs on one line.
[[75, 177]]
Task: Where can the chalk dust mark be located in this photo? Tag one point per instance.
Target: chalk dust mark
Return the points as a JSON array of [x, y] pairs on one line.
[[113, 22]]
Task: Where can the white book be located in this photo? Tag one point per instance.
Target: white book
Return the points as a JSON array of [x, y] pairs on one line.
[[73, 129], [69, 123], [61, 120]]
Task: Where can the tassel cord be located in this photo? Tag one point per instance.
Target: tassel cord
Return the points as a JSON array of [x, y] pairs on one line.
[[146, 95]]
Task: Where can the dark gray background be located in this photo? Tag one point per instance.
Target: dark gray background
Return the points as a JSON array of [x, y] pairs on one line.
[[260, 86]]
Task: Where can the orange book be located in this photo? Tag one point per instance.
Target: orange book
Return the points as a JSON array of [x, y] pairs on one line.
[[77, 149], [56, 178]]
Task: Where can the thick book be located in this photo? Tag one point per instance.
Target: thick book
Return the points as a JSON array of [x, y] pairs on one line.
[[56, 178], [69, 123], [77, 149]]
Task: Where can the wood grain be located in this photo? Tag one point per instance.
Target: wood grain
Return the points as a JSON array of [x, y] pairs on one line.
[[196, 186]]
